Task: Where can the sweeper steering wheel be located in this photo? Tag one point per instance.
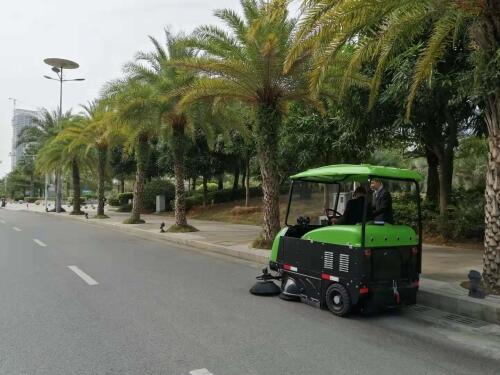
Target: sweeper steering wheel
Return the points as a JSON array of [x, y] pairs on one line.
[[332, 214]]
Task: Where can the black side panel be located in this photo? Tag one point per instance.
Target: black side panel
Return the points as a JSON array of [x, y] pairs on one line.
[[305, 255], [315, 258]]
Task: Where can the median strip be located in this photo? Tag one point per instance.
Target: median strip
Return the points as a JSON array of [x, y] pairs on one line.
[[38, 242], [89, 280]]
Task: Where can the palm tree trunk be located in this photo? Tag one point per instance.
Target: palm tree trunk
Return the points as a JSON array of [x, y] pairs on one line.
[[75, 173], [102, 154], [58, 188], [141, 153], [178, 156], [491, 256], [268, 122], [122, 185], [487, 39]]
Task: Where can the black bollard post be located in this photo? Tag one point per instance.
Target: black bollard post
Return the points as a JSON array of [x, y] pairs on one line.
[[475, 289], [162, 228]]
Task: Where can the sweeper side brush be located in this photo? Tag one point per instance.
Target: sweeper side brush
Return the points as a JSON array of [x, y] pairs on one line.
[[265, 286]]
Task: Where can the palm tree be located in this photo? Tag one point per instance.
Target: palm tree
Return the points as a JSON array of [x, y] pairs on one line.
[[58, 153], [382, 29], [44, 128], [134, 105], [155, 69], [246, 64], [99, 132]]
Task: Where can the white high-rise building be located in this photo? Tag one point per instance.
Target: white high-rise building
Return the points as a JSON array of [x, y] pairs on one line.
[[22, 119]]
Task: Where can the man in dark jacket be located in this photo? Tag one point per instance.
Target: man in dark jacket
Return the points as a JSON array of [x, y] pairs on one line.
[[353, 212], [383, 202]]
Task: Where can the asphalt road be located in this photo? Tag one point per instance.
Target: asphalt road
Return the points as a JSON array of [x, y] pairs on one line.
[[133, 306]]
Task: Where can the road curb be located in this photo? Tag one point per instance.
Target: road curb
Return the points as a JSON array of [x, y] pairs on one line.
[[442, 296], [455, 300]]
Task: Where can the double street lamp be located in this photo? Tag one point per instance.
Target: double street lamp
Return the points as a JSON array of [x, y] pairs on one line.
[[58, 66]]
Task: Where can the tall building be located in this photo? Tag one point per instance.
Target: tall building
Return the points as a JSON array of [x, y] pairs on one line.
[[22, 119]]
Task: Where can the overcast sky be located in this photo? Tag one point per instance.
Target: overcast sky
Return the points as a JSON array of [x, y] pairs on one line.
[[101, 35]]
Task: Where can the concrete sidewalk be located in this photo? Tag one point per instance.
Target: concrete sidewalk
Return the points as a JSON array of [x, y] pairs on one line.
[[443, 268]]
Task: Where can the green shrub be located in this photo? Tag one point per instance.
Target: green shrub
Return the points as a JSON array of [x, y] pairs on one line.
[[114, 201], [31, 199], [18, 197], [70, 200], [123, 198], [211, 186], [225, 195], [125, 208], [89, 196], [158, 187], [464, 219], [192, 201]]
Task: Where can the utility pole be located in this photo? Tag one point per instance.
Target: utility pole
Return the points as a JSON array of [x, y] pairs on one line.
[[58, 66]]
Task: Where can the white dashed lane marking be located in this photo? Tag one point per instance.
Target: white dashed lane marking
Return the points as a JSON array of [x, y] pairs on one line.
[[38, 242], [83, 275], [17, 229], [201, 371], [2, 221]]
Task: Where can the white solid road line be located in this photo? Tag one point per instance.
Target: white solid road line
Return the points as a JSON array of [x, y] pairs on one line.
[[17, 229], [83, 275], [38, 242], [201, 371]]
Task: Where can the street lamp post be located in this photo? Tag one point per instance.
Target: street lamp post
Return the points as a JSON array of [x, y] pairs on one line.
[[58, 66]]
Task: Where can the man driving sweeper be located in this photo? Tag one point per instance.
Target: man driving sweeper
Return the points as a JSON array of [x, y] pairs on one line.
[[382, 210]]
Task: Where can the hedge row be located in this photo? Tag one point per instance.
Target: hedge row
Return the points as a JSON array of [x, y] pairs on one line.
[[160, 187], [225, 195], [151, 190], [31, 199], [463, 220]]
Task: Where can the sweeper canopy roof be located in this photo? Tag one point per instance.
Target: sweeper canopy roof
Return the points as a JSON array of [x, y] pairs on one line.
[[353, 172]]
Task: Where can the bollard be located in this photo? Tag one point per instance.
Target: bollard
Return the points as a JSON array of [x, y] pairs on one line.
[[86, 215], [162, 228], [475, 289]]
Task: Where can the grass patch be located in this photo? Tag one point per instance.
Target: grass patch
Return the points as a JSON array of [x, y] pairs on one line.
[[181, 229], [261, 243], [132, 221], [487, 289], [239, 210], [101, 217], [235, 212]]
